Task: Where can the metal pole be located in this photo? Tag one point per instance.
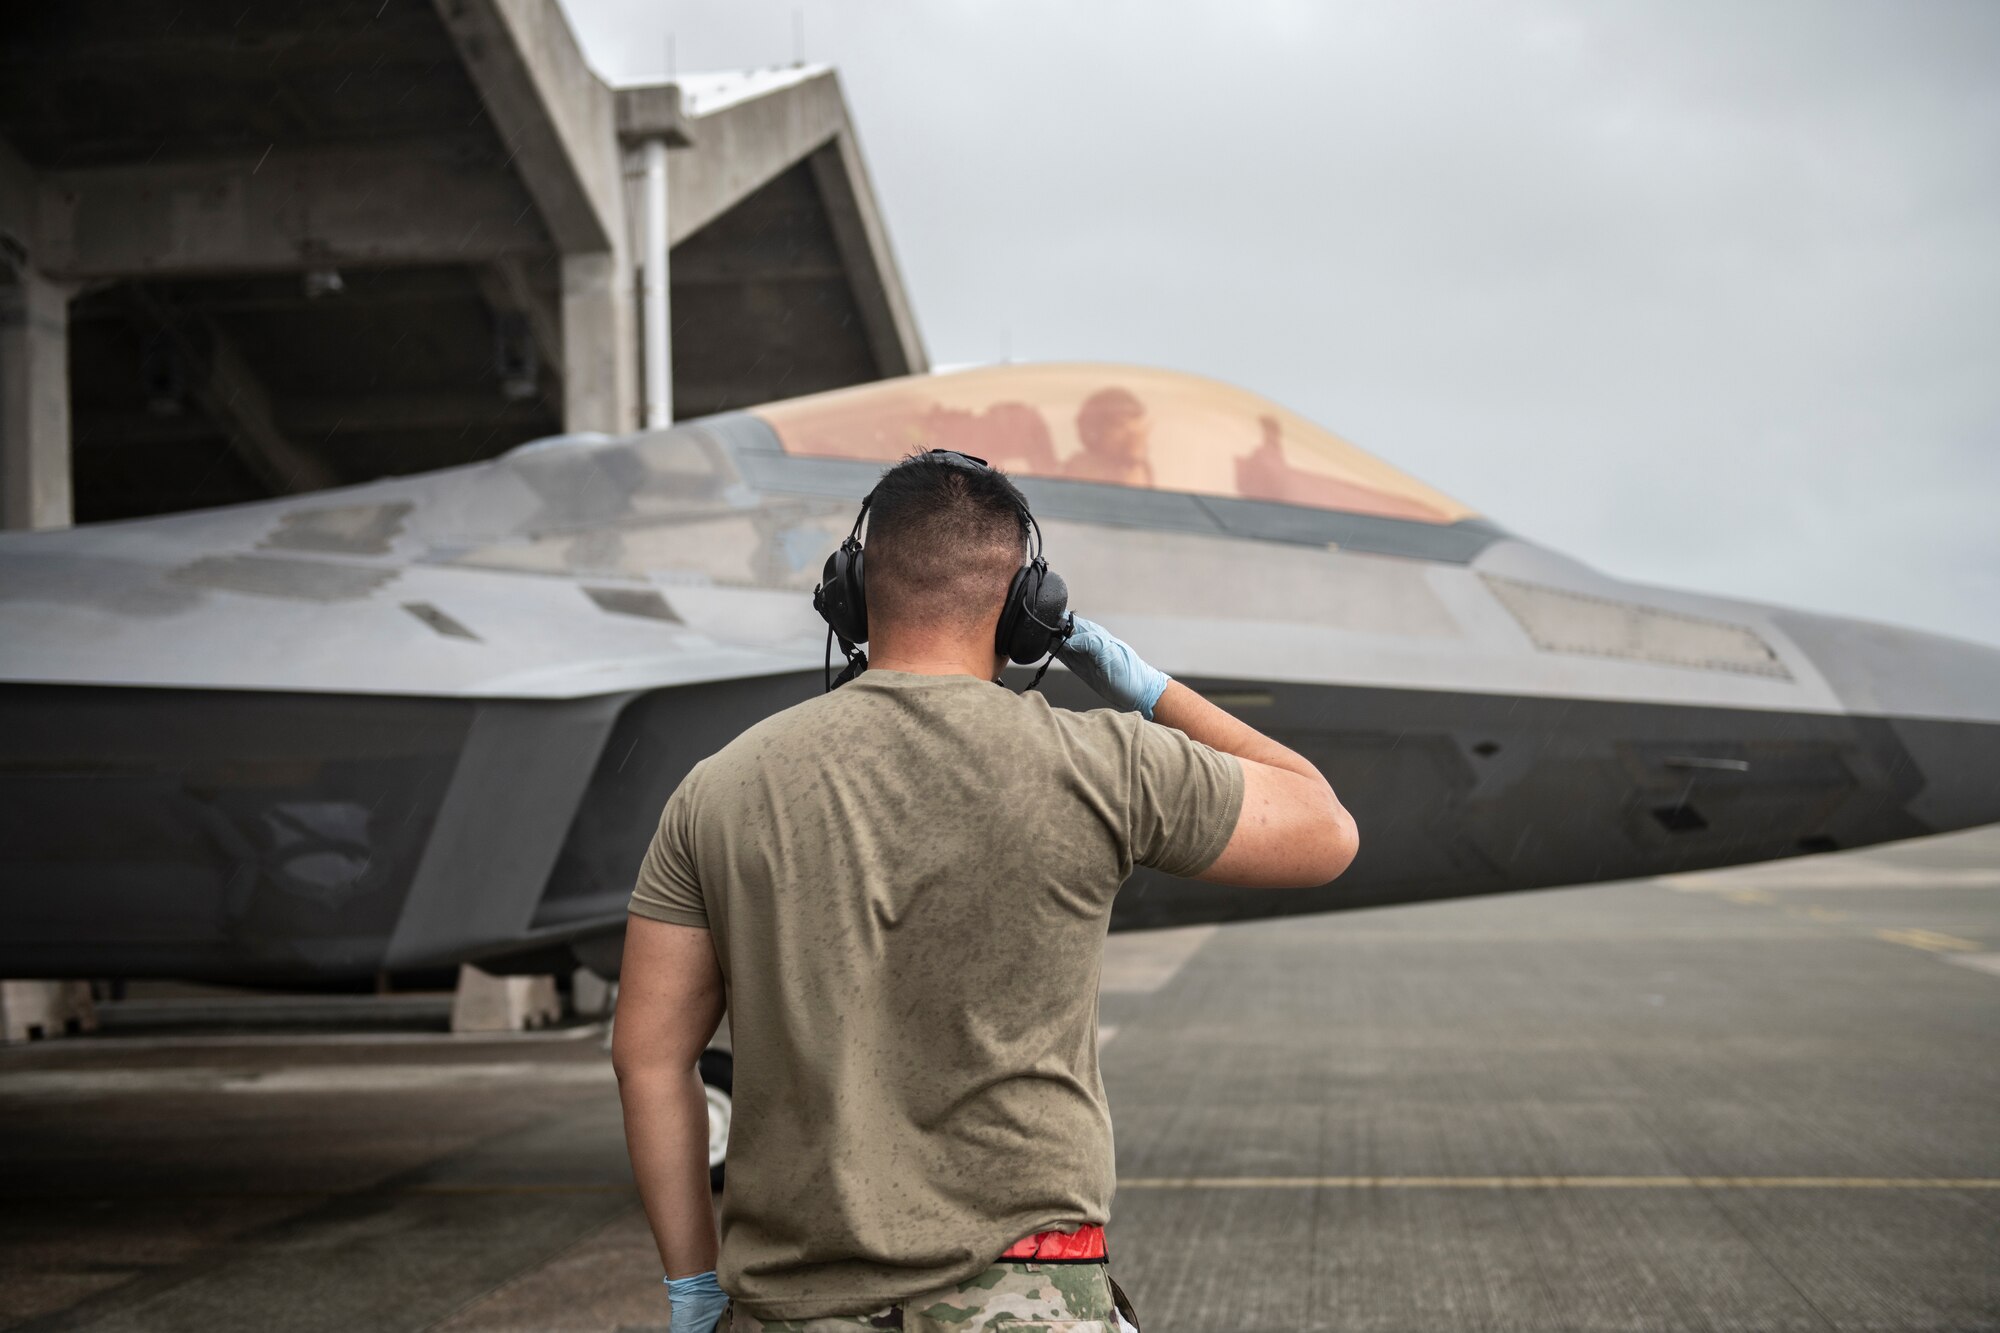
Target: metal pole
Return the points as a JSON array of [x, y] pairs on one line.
[[659, 337], [34, 400]]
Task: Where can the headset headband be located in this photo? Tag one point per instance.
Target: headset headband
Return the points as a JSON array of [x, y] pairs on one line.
[[1024, 631], [971, 463]]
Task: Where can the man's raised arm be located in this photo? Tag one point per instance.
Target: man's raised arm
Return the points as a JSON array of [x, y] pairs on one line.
[[1293, 831]]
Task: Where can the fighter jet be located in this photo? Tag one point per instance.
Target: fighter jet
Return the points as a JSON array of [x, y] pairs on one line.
[[433, 719]]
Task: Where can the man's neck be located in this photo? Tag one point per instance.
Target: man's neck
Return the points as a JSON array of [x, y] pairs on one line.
[[936, 659]]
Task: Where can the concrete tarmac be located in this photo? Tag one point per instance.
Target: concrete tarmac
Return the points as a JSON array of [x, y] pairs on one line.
[[1765, 1099]]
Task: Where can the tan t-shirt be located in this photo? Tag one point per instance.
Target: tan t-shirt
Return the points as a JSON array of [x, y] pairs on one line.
[[908, 882]]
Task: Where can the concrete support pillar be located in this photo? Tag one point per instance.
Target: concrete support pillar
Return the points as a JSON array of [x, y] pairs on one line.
[[600, 343], [36, 1010], [34, 400], [659, 349], [486, 1003], [35, 493]]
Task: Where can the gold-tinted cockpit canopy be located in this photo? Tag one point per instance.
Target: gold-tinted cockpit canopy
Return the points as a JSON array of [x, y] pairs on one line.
[[1152, 429]]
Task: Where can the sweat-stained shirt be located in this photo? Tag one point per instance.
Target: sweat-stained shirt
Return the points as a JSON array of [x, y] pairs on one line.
[[908, 883]]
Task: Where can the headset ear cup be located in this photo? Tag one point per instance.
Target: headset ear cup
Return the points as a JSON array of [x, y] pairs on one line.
[[1051, 611], [1032, 619], [1011, 614], [858, 597], [842, 597]]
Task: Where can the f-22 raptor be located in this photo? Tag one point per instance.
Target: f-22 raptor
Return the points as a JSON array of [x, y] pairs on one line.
[[433, 719]]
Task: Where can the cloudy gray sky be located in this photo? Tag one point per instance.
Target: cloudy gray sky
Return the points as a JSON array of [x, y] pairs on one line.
[[1705, 294]]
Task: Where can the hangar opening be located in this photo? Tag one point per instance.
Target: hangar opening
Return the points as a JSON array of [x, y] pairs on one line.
[[297, 246]]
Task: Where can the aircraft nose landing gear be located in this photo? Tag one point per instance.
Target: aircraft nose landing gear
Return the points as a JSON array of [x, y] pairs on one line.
[[717, 1079]]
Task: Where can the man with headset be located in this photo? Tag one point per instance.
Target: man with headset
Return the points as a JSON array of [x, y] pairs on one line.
[[901, 888]]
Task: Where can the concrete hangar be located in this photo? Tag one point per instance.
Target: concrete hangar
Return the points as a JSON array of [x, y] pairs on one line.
[[257, 247]]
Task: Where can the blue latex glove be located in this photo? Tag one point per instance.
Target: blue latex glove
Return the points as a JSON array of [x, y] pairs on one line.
[[697, 1303], [1108, 665]]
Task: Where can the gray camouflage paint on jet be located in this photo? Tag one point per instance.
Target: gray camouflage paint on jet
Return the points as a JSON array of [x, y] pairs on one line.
[[433, 719]]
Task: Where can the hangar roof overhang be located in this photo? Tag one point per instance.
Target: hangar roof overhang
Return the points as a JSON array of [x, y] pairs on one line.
[[309, 244]]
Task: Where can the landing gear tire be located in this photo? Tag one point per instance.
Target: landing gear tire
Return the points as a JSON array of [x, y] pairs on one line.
[[718, 1070]]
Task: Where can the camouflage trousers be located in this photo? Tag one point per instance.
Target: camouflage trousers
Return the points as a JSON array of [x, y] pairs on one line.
[[1006, 1298]]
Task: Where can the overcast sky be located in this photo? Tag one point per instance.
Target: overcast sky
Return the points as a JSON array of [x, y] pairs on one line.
[[1702, 294]]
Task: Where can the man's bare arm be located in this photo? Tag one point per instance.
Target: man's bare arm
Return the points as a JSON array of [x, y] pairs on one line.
[[1293, 832], [670, 999]]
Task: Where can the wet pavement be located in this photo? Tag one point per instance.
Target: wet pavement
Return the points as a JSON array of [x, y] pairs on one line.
[[1766, 1099]]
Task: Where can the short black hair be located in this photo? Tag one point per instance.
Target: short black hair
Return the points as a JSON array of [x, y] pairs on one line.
[[944, 540]]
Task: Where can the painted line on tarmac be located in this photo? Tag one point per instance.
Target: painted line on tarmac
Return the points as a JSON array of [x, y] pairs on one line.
[[383, 1192], [1952, 947], [1794, 875], [1558, 1183], [1141, 1183], [304, 1078], [120, 1041], [1931, 941]]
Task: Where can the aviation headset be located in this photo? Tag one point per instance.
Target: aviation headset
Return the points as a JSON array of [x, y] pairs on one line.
[[1034, 619]]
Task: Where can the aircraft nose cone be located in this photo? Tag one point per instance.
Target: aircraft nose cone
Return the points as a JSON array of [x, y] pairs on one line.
[[1940, 696]]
